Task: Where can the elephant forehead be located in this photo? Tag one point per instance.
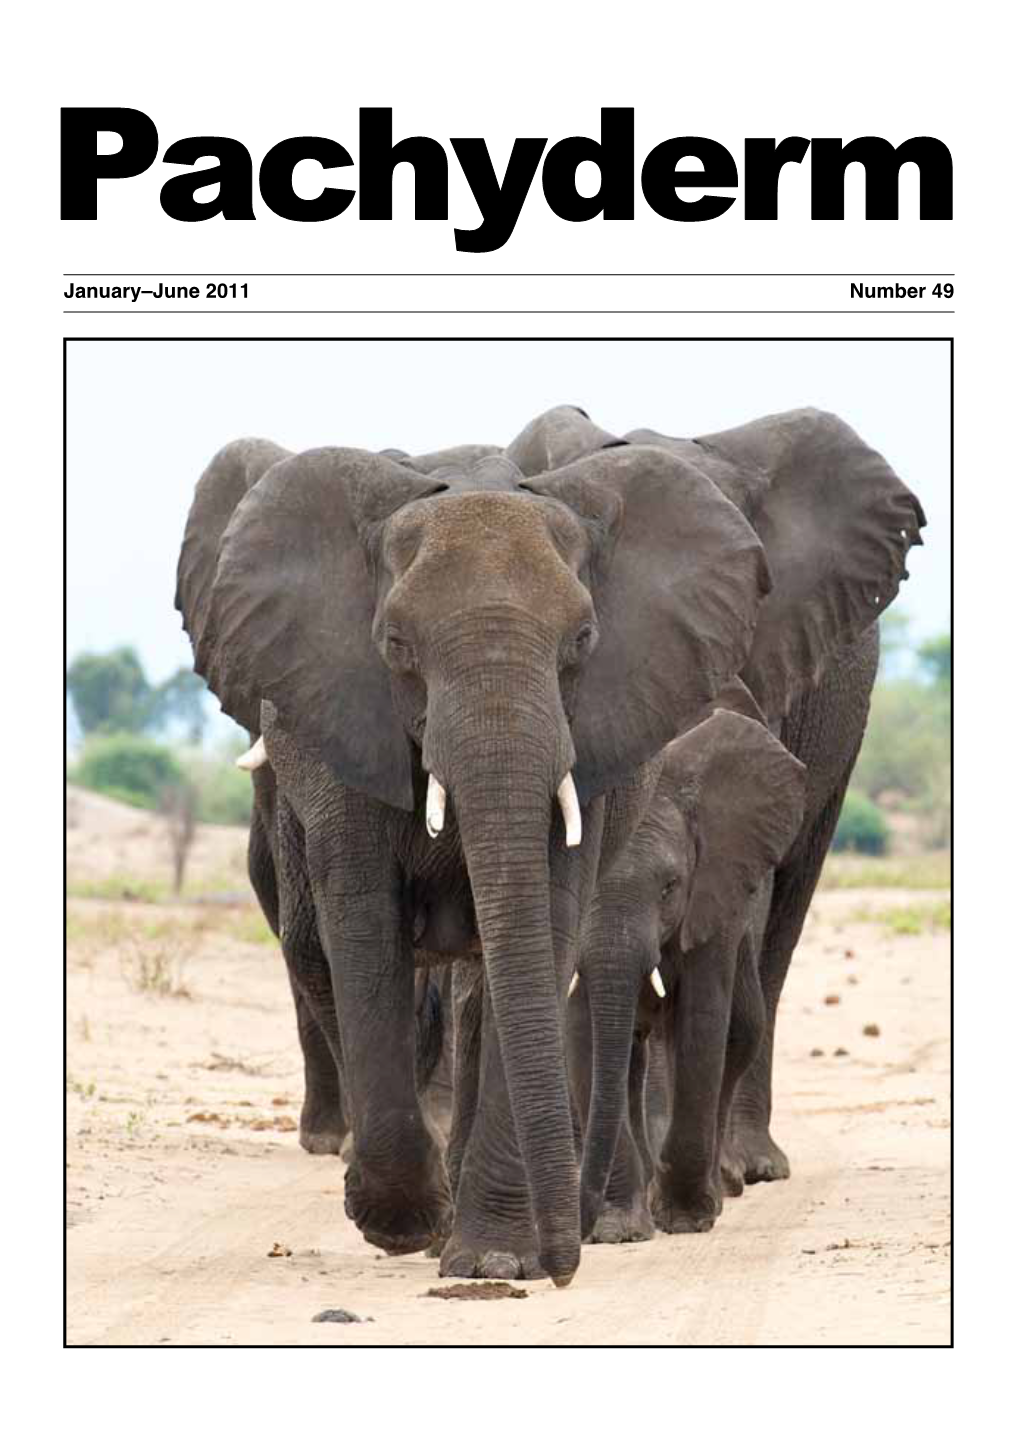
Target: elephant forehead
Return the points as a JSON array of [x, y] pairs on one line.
[[662, 842], [491, 540]]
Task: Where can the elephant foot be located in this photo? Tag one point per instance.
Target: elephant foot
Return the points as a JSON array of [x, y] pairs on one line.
[[398, 1218], [320, 1143], [322, 1128], [758, 1155], [463, 1257], [732, 1173], [694, 1211], [631, 1223], [323, 1136]]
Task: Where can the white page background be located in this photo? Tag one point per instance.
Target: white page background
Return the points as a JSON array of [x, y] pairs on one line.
[[262, 72]]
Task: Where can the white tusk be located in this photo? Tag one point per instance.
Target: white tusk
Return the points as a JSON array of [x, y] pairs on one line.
[[254, 757], [573, 984], [435, 807], [657, 985], [567, 796]]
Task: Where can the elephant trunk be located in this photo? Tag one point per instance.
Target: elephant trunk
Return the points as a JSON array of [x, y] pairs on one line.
[[501, 755], [613, 1004]]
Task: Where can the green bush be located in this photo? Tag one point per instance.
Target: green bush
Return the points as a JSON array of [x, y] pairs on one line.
[[129, 768], [907, 741], [224, 793], [861, 827], [139, 771]]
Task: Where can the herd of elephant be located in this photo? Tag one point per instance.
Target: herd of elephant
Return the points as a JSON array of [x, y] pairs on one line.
[[566, 724]]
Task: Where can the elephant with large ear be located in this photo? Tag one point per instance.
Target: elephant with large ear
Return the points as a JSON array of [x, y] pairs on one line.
[[324, 1122], [440, 664], [664, 937], [836, 524]]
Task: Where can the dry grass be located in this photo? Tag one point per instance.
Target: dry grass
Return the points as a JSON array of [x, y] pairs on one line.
[[149, 890], [179, 929], [923, 918], [157, 968], [931, 871]]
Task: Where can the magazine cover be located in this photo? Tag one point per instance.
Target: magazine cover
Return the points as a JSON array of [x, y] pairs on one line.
[[507, 509]]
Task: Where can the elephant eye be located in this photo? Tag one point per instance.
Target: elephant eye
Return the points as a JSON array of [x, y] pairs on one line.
[[398, 651], [585, 639], [668, 889]]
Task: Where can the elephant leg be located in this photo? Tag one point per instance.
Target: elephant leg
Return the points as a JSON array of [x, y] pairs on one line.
[[493, 1232], [397, 1192], [625, 1216], [658, 1098], [578, 1035], [262, 868], [324, 1123], [323, 1118], [747, 1030], [466, 991], [751, 1142], [639, 1083], [686, 1193]]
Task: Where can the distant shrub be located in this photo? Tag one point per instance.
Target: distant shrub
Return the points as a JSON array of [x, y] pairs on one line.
[[128, 767], [862, 826], [141, 772], [224, 794], [906, 745]]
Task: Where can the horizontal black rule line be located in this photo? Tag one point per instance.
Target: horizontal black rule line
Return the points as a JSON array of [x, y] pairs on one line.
[[482, 276], [510, 312]]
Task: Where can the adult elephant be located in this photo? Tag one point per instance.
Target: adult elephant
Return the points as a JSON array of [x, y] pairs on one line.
[[323, 1128], [836, 524], [432, 660]]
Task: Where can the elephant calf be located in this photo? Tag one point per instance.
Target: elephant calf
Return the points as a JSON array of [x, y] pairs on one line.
[[667, 939]]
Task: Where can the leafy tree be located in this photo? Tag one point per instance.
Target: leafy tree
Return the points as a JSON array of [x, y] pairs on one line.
[[906, 740], [224, 791], [862, 826], [110, 692], [112, 695], [130, 768], [894, 631], [905, 754], [181, 700], [935, 657]]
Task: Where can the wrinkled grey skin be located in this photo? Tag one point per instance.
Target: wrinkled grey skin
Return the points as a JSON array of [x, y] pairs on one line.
[[679, 899], [831, 514], [656, 1142], [376, 623], [324, 1124]]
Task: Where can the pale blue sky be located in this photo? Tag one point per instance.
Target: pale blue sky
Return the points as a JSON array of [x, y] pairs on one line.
[[145, 417]]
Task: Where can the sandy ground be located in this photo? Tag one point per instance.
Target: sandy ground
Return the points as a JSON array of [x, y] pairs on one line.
[[184, 1085], [111, 845]]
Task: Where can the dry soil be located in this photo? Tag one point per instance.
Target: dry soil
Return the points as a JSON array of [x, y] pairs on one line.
[[194, 1216]]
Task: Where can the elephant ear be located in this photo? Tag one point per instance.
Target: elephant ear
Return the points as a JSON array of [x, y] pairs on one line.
[[836, 523], [560, 436], [677, 577], [738, 699], [745, 793], [233, 471], [293, 604]]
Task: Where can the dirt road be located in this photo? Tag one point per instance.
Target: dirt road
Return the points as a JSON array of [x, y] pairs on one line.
[[184, 1168]]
